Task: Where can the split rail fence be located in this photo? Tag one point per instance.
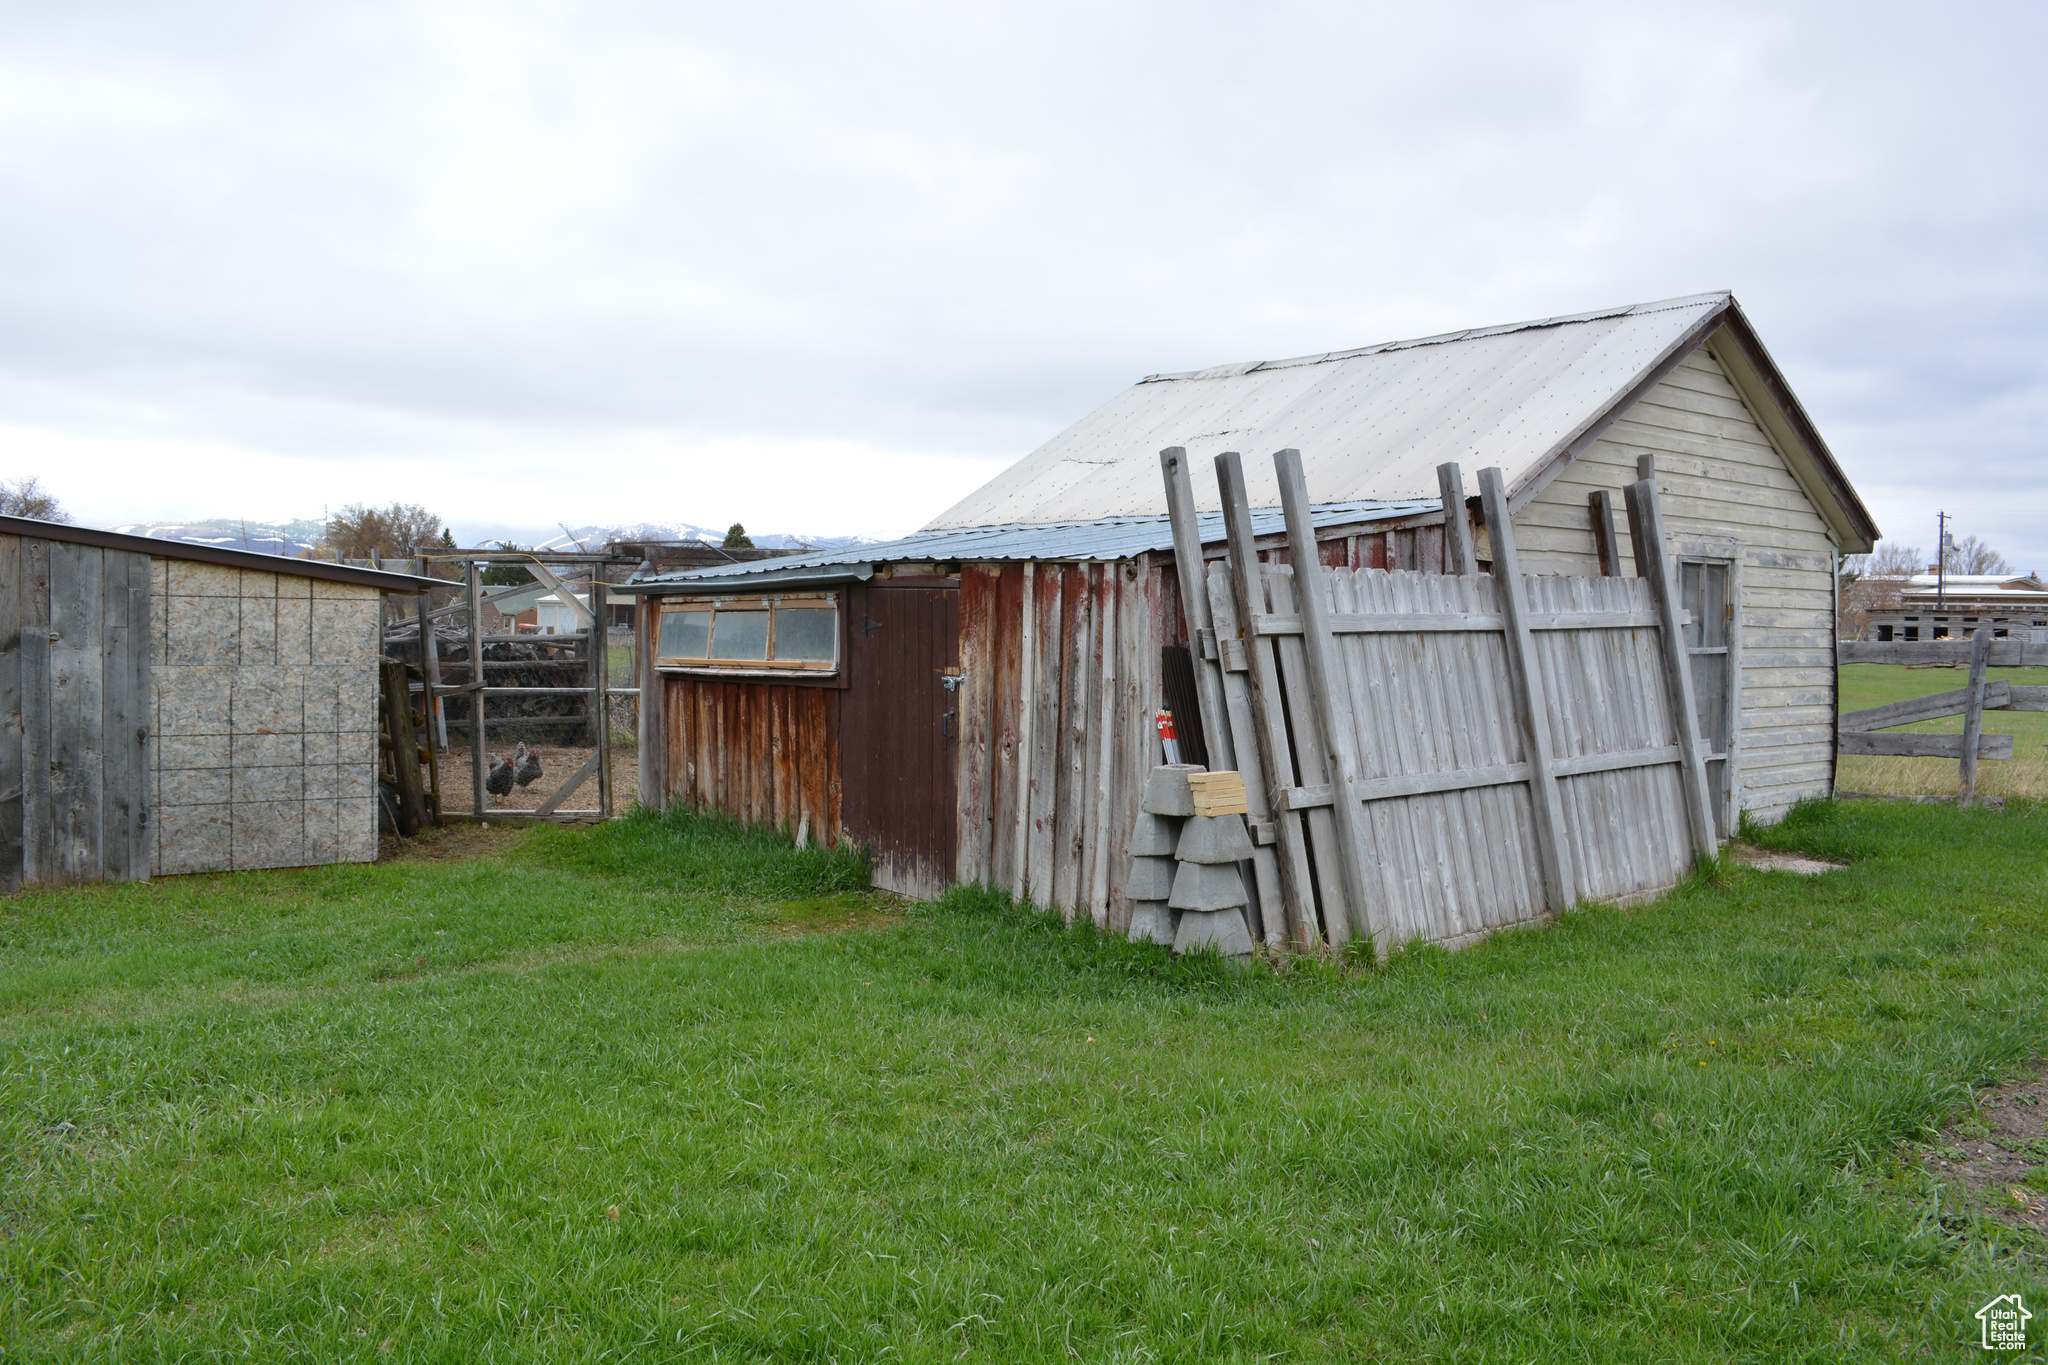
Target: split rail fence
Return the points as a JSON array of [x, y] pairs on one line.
[[1863, 732], [1437, 756]]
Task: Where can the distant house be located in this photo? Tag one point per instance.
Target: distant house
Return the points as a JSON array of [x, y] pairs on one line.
[[1929, 607], [974, 702]]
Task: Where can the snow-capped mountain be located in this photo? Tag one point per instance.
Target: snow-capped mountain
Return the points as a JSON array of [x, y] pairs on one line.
[[296, 537]]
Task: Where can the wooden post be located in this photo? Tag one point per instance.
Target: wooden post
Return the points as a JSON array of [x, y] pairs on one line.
[[601, 690], [652, 731], [1248, 586], [1643, 511], [405, 747], [1600, 506], [1331, 696], [1973, 716], [1553, 859], [1189, 568], [430, 675], [477, 757], [1638, 538], [1458, 556]]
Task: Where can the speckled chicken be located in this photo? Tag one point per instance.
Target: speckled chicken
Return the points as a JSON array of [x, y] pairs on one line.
[[525, 765], [498, 781]]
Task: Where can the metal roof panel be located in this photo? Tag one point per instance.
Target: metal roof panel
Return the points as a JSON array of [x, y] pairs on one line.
[[1372, 424], [1107, 538]]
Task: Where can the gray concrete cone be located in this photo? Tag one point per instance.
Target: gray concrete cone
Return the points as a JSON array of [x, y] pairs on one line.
[[1167, 791], [1152, 922], [1214, 839], [1221, 929]]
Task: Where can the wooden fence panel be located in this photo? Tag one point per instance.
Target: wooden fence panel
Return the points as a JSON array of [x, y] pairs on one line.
[[1509, 745]]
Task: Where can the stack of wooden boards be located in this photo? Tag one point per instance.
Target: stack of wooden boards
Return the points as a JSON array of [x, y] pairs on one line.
[[1185, 886]]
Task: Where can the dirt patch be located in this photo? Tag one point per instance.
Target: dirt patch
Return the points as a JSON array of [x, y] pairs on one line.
[[1995, 1157], [1770, 860], [848, 912], [557, 763], [453, 843]]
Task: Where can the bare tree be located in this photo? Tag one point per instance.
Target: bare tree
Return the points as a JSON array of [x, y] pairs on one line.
[[1971, 555], [26, 498], [399, 530], [1876, 582]]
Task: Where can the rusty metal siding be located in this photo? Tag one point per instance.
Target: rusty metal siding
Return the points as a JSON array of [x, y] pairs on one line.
[[760, 752], [899, 733], [1056, 726]]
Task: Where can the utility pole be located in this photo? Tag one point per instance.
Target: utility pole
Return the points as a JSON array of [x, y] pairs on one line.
[[1941, 562]]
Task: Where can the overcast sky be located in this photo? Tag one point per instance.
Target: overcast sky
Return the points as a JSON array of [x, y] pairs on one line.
[[827, 269]]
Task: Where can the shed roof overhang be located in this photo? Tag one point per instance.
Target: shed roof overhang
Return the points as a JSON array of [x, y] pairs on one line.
[[1105, 540], [380, 579]]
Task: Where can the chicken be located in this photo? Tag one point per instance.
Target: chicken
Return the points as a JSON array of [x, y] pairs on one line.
[[525, 765], [498, 781]]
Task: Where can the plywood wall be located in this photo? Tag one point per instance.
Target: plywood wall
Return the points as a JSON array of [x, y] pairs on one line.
[[264, 693]]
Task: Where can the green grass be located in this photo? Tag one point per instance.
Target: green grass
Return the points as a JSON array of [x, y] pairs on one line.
[[2025, 774], [588, 1098]]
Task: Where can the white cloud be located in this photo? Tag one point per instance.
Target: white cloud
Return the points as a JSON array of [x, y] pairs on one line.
[[826, 267]]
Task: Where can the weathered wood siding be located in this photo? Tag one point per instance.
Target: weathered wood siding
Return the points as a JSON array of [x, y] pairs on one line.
[[1719, 475], [759, 752], [1061, 666]]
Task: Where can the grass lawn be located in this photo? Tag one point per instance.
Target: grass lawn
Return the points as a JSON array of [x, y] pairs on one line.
[[2026, 774], [658, 1090]]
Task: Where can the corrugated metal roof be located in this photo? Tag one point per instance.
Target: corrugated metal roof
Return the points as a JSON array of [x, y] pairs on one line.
[[1105, 538], [1371, 424]]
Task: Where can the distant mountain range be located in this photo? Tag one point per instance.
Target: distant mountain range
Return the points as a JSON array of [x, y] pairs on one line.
[[296, 537]]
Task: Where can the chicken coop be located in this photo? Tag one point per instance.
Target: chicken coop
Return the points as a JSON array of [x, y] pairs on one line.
[[974, 702]]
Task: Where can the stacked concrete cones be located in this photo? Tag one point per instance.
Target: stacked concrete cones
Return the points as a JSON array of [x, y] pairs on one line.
[[1185, 888], [1208, 889], [1168, 803]]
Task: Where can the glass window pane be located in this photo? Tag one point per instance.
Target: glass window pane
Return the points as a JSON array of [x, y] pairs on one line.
[[806, 634], [741, 635], [685, 634], [1689, 598]]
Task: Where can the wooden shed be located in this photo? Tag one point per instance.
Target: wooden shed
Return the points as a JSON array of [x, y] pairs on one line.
[[983, 712], [181, 708]]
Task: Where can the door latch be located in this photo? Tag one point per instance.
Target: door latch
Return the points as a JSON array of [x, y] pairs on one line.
[[951, 678]]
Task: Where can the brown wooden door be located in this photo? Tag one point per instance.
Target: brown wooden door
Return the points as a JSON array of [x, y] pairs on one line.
[[899, 733]]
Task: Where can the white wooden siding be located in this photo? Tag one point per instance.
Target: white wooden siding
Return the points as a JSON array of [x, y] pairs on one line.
[[1718, 473]]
